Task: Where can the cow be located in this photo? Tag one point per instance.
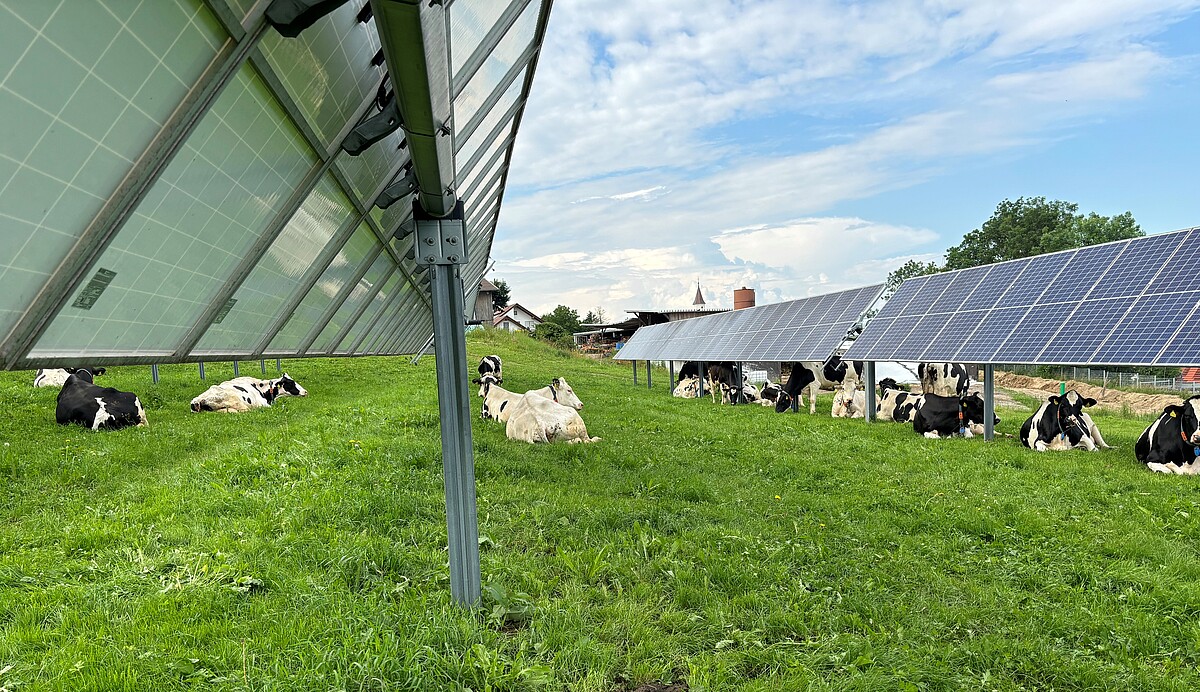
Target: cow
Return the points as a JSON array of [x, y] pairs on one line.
[[770, 393], [96, 408], [690, 368], [490, 365], [944, 379], [235, 397], [536, 419], [950, 415], [812, 376], [888, 383], [1061, 423], [498, 402], [849, 404], [687, 389], [897, 405], [1172, 442], [57, 377], [286, 385]]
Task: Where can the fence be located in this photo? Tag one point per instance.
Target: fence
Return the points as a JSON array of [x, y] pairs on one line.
[[1106, 378]]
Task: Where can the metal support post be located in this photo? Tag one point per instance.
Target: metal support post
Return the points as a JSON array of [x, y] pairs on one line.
[[738, 396], [700, 370], [235, 369], [649, 381], [635, 372], [989, 402], [869, 377], [278, 365], [154, 373], [202, 370], [262, 364], [441, 244], [671, 366]]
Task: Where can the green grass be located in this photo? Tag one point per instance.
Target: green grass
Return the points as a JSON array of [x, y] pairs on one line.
[[303, 547]]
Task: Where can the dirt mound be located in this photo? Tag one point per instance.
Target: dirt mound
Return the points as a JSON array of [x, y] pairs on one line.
[[1111, 399]]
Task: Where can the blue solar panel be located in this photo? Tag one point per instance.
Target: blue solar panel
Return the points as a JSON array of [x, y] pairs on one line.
[[996, 326], [1072, 307], [1090, 326], [1149, 324], [1034, 280], [1136, 266], [806, 329], [1082, 272]]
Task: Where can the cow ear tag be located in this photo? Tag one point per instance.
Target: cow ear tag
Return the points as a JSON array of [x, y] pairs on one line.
[[1172, 414]]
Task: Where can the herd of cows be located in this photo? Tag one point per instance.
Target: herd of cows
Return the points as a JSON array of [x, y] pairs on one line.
[[944, 407], [1171, 444], [82, 402]]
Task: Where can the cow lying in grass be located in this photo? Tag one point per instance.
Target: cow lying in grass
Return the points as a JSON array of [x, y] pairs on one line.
[[97, 408], [1061, 423], [688, 388], [897, 404], [944, 416], [498, 402], [534, 418], [849, 404], [245, 393], [57, 377], [1172, 442]]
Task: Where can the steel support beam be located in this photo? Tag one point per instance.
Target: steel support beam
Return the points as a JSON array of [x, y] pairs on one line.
[[989, 401], [649, 377], [104, 227], [358, 312], [869, 381]]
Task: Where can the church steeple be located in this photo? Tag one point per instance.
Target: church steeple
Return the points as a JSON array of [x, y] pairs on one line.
[[699, 296]]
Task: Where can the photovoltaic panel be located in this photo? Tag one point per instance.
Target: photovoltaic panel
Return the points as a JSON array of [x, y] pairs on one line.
[[1129, 302], [805, 329]]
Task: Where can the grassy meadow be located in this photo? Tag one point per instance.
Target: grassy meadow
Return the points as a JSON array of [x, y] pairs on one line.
[[302, 547]]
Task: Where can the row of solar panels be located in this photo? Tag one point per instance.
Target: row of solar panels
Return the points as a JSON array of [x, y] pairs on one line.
[[1129, 302], [174, 185]]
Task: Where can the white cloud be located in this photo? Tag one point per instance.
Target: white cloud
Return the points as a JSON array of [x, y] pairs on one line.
[[639, 150]]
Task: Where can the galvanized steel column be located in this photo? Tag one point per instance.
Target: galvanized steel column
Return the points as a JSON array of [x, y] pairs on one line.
[[869, 377], [989, 402]]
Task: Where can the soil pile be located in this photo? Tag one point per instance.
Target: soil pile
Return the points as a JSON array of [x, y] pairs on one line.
[[1110, 399]]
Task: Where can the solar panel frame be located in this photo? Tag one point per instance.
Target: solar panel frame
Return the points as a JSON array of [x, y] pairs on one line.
[[1128, 302], [804, 329]]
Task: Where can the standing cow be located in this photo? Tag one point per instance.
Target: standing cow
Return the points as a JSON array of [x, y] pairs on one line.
[[1172, 442], [944, 379], [812, 376], [1061, 423]]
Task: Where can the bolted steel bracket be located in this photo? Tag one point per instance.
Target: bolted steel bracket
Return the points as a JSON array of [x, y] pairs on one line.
[[440, 240]]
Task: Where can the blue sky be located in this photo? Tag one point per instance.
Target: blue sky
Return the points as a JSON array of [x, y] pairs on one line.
[[804, 147]]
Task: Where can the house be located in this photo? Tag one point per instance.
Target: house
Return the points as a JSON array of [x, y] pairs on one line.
[[514, 317], [484, 310]]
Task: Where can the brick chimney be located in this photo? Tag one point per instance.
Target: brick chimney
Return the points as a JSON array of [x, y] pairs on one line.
[[743, 298]]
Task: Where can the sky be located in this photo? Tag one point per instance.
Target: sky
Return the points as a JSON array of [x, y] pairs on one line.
[[800, 147]]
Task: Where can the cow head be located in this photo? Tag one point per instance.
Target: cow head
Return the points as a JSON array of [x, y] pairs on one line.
[[835, 369], [843, 404], [770, 391], [886, 384], [972, 410], [783, 402], [1070, 415], [1188, 414], [291, 387], [485, 382], [564, 395], [82, 373]]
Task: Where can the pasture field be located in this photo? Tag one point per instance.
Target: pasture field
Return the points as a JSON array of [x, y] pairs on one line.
[[302, 547]]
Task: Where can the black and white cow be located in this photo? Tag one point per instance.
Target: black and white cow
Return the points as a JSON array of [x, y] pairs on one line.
[[1172, 442], [97, 408], [285, 385], [944, 379], [57, 377], [851, 404], [491, 365], [943, 416], [687, 388], [689, 369], [769, 394], [896, 404], [1061, 423], [235, 397], [811, 376]]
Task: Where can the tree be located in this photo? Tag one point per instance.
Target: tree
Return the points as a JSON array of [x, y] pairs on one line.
[[565, 317], [907, 270], [594, 316], [501, 296], [1028, 227], [554, 333]]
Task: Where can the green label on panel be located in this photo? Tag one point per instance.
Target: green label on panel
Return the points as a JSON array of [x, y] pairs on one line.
[[224, 310], [91, 293]]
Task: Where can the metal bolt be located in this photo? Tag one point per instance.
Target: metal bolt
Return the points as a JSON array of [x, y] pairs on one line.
[[429, 241], [453, 240], [452, 258], [429, 260]]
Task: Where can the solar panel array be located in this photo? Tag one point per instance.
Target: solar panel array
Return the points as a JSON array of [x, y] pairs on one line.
[[805, 329], [173, 185], [1129, 302]]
